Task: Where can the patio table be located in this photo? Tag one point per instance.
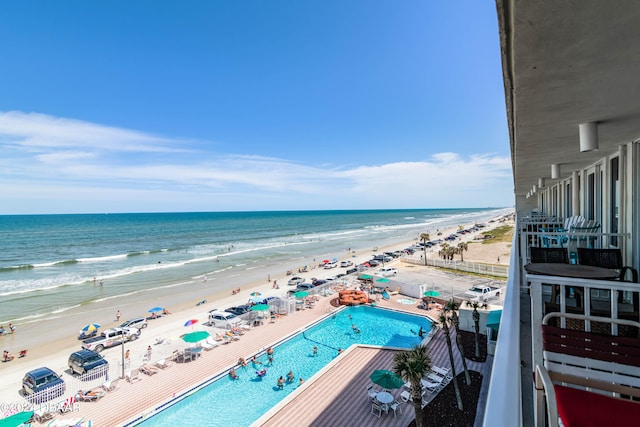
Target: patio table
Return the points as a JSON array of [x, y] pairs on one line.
[[571, 270]]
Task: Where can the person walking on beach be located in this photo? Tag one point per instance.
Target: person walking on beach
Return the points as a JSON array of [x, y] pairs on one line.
[[118, 316], [127, 358], [149, 350]]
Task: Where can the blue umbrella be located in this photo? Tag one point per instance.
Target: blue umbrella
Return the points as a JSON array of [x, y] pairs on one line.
[[154, 309]]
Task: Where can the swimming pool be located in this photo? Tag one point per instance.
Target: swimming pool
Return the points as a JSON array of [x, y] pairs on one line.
[[240, 402]]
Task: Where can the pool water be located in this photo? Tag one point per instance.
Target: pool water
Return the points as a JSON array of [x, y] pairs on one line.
[[242, 401]]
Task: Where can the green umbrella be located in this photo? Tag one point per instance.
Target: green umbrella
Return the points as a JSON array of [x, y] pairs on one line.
[[383, 280], [431, 294], [365, 277], [16, 419], [386, 379], [195, 336], [260, 307], [301, 294]]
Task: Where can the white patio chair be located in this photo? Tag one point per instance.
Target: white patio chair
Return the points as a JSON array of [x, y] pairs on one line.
[[395, 405]]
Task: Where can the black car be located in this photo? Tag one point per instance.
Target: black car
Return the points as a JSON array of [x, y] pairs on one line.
[[373, 263], [352, 270], [42, 379], [241, 309], [84, 361]]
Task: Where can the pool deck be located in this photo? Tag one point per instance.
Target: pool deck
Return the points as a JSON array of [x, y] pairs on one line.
[[337, 397]]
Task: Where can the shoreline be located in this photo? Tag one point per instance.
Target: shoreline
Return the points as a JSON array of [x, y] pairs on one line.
[[49, 343]]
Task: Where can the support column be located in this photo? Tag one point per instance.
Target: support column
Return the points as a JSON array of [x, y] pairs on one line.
[[575, 193]]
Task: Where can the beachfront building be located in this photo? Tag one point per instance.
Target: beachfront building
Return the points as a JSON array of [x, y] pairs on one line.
[[571, 78]]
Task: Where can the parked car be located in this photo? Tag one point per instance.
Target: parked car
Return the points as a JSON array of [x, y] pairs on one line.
[[41, 379], [86, 360], [136, 322], [373, 263], [295, 280], [386, 272], [330, 265], [304, 287], [241, 309], [346, 263], [352, 270], [222, 319]]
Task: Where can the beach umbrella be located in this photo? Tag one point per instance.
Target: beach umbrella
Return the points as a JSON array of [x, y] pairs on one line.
[[383, 280], [90, 327], [255, 294], [260, 307], [195, 336], [155, 309], [386, 379], [325, 261], [431, 294], [365, 277], [191, 322], [16, 419], [301, 294]]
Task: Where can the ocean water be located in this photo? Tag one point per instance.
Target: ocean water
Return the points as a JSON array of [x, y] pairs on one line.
[[52, 263]]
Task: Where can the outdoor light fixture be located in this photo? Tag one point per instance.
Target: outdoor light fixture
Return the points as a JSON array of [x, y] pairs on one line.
[[540, 182], [555, 171], [588, 136], [533, 190]]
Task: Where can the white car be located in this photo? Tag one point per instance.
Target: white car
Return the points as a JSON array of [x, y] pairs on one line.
[[223, 319], [386, 272], [295, 280], [330, 265], [346, 263]]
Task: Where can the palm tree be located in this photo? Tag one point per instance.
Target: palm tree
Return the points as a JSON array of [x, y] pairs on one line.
[[444, 322], [444, 251], [425, 238], [476, 323], [462, 246], [452, 307], [412, 365]]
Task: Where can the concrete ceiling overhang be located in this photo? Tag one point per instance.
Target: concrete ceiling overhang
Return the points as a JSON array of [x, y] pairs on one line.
[[566, 63]]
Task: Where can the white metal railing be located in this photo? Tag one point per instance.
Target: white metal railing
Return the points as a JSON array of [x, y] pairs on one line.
[[467, 266], [565, 294], [504, 399]]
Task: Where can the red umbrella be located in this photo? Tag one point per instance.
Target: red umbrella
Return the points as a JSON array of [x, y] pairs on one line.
[[191, 322], [325, 261]]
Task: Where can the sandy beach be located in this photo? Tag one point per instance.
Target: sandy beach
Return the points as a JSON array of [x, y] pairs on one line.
[[50, 343]]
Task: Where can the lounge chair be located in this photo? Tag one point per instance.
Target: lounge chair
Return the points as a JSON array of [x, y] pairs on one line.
[[443, 372], [148, 369], [41, 415], [133, 375], [90, 395], [405, 396], [162, 364], [209, 344], [110, 385]]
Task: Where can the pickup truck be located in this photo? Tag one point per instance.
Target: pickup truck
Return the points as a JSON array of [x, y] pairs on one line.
[[111, 337], [482, 293]]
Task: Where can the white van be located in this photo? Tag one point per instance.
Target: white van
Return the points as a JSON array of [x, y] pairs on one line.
[[223, 319]]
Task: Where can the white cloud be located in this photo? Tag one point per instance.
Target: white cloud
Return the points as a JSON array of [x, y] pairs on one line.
[[50, 163]]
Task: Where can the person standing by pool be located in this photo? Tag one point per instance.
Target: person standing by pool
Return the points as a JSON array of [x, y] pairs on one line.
[[280, 382], [232, 374], [315, 350], [255, 361], [290, 377], [301, 381]]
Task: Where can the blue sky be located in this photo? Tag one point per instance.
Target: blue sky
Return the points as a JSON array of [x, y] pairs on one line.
[[153, 106]]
